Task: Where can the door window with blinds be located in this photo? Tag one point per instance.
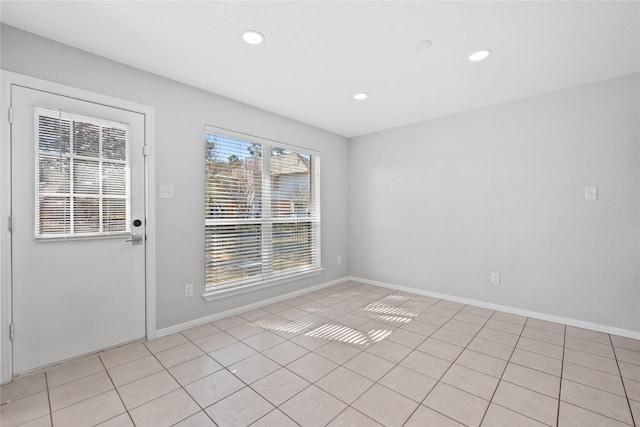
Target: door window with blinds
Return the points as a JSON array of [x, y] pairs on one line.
[[82, 176], [262, 216]]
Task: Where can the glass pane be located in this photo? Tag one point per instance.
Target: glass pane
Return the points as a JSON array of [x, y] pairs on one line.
[[114, 215], [54, 215], [97, 168], [85, 177], [290, 184], [233, 182], [53, 174], [114, 179], [86, 215], [53, 134], [233, 252], [86, 139], [114, 143], [292, 245]]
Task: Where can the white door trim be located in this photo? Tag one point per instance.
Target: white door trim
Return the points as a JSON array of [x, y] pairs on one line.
[[7, 79]]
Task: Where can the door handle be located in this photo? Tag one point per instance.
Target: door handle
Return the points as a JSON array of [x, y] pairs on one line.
[[136, 239]]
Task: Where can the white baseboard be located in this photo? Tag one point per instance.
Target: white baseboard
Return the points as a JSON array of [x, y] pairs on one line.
[[213, 317], [542, 316], [533, 314]]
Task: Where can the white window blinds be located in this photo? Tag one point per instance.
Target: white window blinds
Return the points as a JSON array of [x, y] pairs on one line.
[[262, 217], [82, 176]]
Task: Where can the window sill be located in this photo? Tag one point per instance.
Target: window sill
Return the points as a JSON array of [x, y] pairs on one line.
[[224, 293]]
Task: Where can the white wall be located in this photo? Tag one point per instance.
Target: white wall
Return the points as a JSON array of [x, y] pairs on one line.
[[441, 204], [181, 113], [436, 205]]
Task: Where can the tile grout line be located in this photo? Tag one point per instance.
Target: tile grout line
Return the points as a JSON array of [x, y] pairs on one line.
[[339, 365], [46, 384], [594, 368], [69, 382], [328, 373], [116, 390], [488, 355], [527, 367], [176, 380], [451, 363], [88, 398], [354, 356], [515, 345], [590, 352], [564, 342], [342, 364], [275, 408], [147, 376], [261, 353], [376, 382], [573, 381], [591, 410], [182, 387], [467, 348], [624, 387], [594, 387], [580, 381]]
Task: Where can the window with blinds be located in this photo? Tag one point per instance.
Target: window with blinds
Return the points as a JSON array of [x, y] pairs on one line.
[[262, 217], [82, 176]]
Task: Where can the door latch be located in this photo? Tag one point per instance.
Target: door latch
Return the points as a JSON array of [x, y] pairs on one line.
[[136, 239]]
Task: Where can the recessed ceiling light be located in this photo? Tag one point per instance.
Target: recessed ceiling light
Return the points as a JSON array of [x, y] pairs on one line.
[[479, 55], [252, 37], [360, 96], [421, 45]]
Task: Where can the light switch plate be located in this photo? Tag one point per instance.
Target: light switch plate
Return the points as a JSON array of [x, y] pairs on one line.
[[188, 290], [495, 278], [591, 193], [166, 191]]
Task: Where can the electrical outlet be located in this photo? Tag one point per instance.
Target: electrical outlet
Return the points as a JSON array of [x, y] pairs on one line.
[[188, 290], [339, 260], [495, 278]]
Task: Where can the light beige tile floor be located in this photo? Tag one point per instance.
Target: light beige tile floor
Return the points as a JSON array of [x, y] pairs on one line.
[[348, 355]]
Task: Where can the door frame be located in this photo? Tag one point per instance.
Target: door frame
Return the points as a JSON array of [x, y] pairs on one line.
[[7, 79]]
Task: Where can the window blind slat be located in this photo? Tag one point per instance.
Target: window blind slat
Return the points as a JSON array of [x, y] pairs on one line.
[[82, 173]]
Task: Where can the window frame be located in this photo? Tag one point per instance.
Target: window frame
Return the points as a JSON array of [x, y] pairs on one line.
[[267, 221], [100, 196]]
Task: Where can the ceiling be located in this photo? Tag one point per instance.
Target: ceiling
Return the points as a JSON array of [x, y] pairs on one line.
[[317, 55]]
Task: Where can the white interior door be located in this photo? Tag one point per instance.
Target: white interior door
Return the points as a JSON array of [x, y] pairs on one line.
[[77, 189]]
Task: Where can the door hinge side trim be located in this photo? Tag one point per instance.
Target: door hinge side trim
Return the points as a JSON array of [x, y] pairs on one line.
[[12, 331]]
